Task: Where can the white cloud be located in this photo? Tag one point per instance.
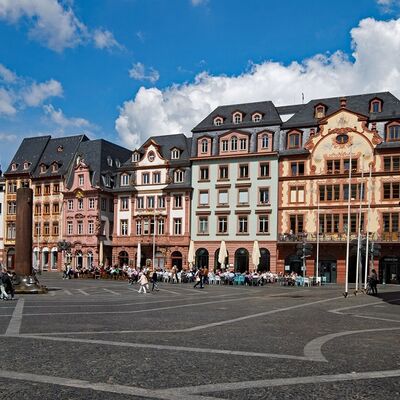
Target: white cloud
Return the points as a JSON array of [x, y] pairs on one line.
[[141, 73], [6, 75], [7, 101], [104, 39], [196, 3], [374, 67], [35, 94], [58, 118], [7, 137]]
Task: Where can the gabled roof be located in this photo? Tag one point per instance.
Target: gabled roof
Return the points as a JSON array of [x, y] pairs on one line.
[[359, 104], [267, 108]]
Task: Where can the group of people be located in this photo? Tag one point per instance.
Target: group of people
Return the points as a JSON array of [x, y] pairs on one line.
[[6, 285]]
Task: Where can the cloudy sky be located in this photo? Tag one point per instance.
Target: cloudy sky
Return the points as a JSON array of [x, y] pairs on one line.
[[124, 70]]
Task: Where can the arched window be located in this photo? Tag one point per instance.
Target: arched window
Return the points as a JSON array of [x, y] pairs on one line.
[[241, 260], [237, 118], [265, 141], [393, 133], [218, 121], [89, 259], [257, 117], [179, 176], [376, 106], [176, 260], [124, 180], [264, 260], [202, 258], [294, 140], [123, 258], [320, 111], [234, 143], [204, 146]]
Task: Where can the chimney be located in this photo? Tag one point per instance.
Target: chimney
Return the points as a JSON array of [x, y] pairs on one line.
[[343, 102]]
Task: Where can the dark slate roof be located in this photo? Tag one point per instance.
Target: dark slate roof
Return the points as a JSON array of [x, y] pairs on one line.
[[30, 150], [293, 152], [64, 158], [267, 108], [388, 145], [95, 154], [359, 104], [291, 109]]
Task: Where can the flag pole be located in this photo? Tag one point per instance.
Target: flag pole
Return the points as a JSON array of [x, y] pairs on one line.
[[367, 226], [346, 288], [317, 260], [359, 225]]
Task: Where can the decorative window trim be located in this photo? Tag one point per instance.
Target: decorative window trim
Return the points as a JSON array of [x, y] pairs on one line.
[[387, 131], [218, 121], [320, 111], [175, 154], [294, 133], [237, 117], [257, 117], [373, 102]]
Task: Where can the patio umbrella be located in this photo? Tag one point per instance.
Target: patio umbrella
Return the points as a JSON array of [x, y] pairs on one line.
[[255, 256], [222, 254], [138, 255], [191, 254], [101, 253]]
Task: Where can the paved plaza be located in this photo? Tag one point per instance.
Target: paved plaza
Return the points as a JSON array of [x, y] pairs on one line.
[[90, 339]]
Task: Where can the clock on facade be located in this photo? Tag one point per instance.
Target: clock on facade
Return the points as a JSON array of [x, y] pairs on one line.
[[151, 156]]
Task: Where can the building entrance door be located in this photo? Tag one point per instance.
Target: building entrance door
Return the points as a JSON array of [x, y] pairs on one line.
[[389, 270], [328, 269]]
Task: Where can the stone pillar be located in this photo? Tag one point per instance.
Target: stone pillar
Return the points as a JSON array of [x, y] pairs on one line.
[[23, 241]]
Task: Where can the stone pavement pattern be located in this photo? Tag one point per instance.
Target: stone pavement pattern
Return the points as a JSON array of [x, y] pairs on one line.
[[102, 340]]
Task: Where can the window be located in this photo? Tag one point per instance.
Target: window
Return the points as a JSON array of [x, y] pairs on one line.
[[264, 170], [80, 204], [391, 163], [11, 230], [390, 222], [103, 204], [243, 196], [81, 180], [242, 224], [156, 177], [223, 197], [12, 207], [243, 144], [263, 224], [56, 188], [203, 225], [138, 227], [243, 171], [297, 168], [160, 227], [109, 161], [46, 229], [204, 146], [124, 203], [124, 227], [90, 227], [161, 202], [393, 133], [177, 226], [46, 209], [297, 194], [37, 229], [27, 165], [234, 143], [222, 224], [38, 209], [124, 180], [175, 154], [91, 203], [225, 145], [319, 111], [294, 140], [376, 106], [43, 169], [177, 201], [329, 223], [80, 227], [150, 201], [391, 191], [223, 172], [38, 190], [353, 222], [237, 118], [329, 192], [139, 202], [218, 121], [346, 165], [203, 198], [145, 178], [70, 228], [56, 230], [70, 205], [265, 141], [46, 189], [296, 223], [12, 187], [257, 117], [263, 197], [204, 173], [135, 157], [179, 176]]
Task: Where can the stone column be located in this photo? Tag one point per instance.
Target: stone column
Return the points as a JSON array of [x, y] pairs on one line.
[[23, 241]]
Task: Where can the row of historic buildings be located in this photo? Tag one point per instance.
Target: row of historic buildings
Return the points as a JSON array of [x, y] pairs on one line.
[[250, 172]]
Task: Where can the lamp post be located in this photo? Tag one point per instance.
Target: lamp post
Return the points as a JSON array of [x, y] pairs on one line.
[[346, 288], [367, 226], [359, 225]]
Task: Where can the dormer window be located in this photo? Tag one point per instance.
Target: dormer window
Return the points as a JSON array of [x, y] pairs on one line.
[[393, 132], [175, 154], [376, 106], [109, 161], [14, 167], [218, 121], [124, 180], [319, 111], [234, 143], [237, 118], [117, 163], [294, 140], [179, 176], [257, 117], [135, 157], [265, 141], [54, 167], [43, 168], [27, 165], [204, 146]]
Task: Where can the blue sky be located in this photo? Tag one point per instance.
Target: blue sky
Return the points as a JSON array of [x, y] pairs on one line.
[[127, 69]]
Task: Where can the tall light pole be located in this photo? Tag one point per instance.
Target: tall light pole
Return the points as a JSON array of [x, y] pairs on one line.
[[154, 234], [317, 260], [367, 241], [346, 288], [359, 223]]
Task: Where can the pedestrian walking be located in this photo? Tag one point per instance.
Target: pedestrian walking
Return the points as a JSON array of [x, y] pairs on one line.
[[154, 281], [373, 282], [199, 278], [143, 282]]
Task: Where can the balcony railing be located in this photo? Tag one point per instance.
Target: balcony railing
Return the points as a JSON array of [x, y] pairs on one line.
[[340, 237]]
